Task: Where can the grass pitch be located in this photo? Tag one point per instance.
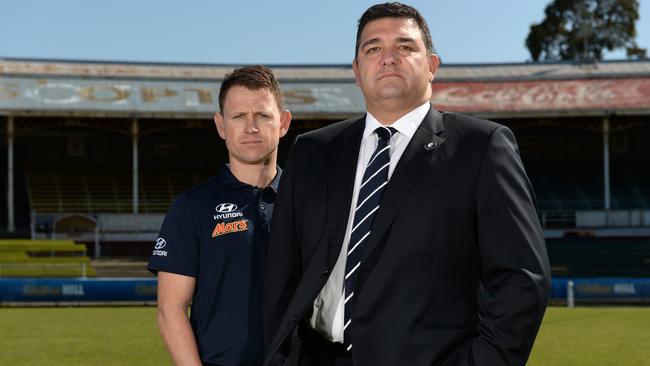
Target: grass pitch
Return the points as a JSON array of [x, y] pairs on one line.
[[593, 336], [129, 336], [81, 336]]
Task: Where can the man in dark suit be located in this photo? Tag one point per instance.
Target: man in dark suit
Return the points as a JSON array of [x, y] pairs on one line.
[[408, 236]]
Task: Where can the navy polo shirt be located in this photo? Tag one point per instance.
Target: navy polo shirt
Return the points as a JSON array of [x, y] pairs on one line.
[[217, 232]]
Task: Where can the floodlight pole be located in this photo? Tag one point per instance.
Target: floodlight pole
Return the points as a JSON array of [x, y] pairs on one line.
[[135, 133], [11, 222], [606, 162]]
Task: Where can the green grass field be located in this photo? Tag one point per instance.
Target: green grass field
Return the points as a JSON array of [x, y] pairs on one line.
[[128, 336], [593, 336], [81, 336]]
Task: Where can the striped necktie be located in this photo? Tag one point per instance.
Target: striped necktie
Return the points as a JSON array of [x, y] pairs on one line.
[[372, 186]]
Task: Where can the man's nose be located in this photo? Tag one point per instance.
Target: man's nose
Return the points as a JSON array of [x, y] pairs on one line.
[[390, 56], [251, 125]]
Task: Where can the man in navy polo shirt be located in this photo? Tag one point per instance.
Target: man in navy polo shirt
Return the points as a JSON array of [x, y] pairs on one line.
[[212, 245]]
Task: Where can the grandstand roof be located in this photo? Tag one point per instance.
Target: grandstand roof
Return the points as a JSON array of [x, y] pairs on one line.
[[320, 91], [448, 72]]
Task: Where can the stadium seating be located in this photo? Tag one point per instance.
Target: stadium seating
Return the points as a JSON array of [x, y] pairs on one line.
[[599, 257], [558, 186], [631, 185], [93, 191], [43, 258], [563, 186]]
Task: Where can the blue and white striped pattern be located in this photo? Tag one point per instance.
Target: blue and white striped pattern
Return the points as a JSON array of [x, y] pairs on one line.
[[372, 186]]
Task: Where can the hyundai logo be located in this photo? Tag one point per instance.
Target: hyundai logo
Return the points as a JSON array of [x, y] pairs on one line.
[[226, 207], [160, 243]]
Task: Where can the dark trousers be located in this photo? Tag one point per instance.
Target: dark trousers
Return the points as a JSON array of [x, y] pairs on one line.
[[318, 351]]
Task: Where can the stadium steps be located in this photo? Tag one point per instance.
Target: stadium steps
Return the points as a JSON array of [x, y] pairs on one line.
[[120, 268], [43, 258]]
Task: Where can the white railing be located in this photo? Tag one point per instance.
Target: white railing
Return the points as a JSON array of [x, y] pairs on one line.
[[594, 219], [613, 218], [98, 228]]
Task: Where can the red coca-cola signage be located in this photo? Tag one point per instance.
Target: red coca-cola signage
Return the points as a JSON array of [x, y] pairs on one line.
[[513, 96]]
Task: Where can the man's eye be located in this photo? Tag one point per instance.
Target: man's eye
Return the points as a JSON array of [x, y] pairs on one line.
[[237, 116], [406, 48], [372, 50]]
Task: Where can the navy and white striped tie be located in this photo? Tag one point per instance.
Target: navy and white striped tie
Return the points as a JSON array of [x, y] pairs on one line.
[[372, 186]]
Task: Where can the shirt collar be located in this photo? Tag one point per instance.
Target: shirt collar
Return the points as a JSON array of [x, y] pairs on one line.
[[229, 179], [406, 125], [276, 180]]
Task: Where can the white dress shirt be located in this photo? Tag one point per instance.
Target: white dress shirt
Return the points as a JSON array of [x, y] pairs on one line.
[[327, 315]]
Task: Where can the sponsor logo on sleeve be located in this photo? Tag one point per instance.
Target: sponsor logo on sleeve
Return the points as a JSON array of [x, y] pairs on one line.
[[160, 243]]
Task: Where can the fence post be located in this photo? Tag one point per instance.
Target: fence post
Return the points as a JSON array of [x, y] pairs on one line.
[[98, 249], [570, 295]]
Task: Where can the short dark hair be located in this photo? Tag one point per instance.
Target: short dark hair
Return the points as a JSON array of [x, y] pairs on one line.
[[254, 78], [394, 10]]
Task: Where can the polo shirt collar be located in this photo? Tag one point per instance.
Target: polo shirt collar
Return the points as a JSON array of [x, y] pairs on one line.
[[229, 179]]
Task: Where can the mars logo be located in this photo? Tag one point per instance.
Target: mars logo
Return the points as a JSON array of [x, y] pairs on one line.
[[226, 207], [229, 227], [160, 243]]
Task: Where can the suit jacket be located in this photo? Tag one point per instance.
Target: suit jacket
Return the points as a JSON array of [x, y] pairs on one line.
[[455, 270]]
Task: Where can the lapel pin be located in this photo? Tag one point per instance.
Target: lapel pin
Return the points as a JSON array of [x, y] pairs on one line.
[[430, 145]]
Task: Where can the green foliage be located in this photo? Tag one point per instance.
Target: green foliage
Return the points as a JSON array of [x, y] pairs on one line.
[[584, 29]]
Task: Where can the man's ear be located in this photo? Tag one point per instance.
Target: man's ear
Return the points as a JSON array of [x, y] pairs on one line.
[[356, 71], [434, 64], [218, 122], [285, 122]]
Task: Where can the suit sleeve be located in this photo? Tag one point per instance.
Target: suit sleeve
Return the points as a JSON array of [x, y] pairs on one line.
[[514, 263], [282, 272]]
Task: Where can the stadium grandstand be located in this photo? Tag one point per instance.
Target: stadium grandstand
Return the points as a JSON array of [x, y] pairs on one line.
[[95, 152]]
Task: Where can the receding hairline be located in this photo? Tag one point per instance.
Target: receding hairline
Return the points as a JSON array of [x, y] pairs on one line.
[[262, 88], [413, 23], [254, 77]]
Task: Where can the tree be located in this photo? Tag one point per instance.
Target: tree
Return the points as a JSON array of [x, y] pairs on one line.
[[584, 29]]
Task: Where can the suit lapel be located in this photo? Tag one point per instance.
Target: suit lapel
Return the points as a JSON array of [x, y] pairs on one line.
[[417, 156], [341, 166], [340, 184]]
